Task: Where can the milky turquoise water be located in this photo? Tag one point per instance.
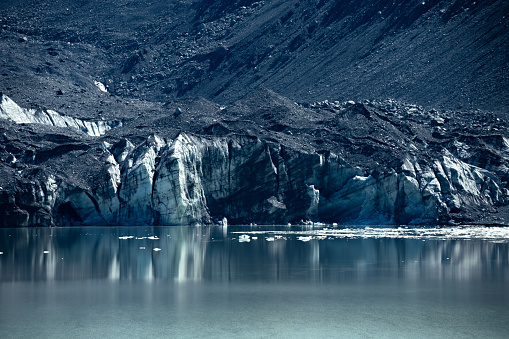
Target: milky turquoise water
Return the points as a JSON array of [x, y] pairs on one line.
[[255, 281]]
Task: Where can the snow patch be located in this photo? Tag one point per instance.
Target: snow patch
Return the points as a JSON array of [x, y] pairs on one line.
[[101, 86]]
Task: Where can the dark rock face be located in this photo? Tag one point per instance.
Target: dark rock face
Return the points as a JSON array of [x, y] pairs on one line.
[[370, 165]]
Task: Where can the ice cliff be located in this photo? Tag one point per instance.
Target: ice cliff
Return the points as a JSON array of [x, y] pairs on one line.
[[201, 179], [11, 111]]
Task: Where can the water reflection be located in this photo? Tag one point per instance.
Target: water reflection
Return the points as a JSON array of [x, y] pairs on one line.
[[251, 254]]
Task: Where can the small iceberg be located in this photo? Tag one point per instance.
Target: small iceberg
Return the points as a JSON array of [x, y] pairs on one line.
[[305, 239], [157, 249], [244, 238], [269, 238], [45, 252], [126, 237]]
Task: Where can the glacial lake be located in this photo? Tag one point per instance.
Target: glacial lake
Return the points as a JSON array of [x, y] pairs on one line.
[[254, 281]]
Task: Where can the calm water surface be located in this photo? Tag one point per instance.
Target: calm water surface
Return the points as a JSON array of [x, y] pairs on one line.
[[254, 281]]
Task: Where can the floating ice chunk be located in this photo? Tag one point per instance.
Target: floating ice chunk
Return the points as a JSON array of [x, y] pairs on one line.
[[244, 238], [153, 238], [304, 238], [1, 253], [157, 249], [45, 252], [269, 238], [142, 248], [254, 238], [126, 237]]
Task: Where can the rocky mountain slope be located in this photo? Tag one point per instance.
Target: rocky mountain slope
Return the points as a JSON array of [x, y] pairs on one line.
[[438, 53], [189, 112]]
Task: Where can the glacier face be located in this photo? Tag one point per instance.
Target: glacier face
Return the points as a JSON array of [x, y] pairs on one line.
[[51, 177], [202, 179]]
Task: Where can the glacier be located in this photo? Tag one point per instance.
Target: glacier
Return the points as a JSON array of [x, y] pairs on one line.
[[194, 179]]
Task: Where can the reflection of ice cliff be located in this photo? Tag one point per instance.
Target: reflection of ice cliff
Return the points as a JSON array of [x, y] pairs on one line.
[[204, 253], [179, 255]]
